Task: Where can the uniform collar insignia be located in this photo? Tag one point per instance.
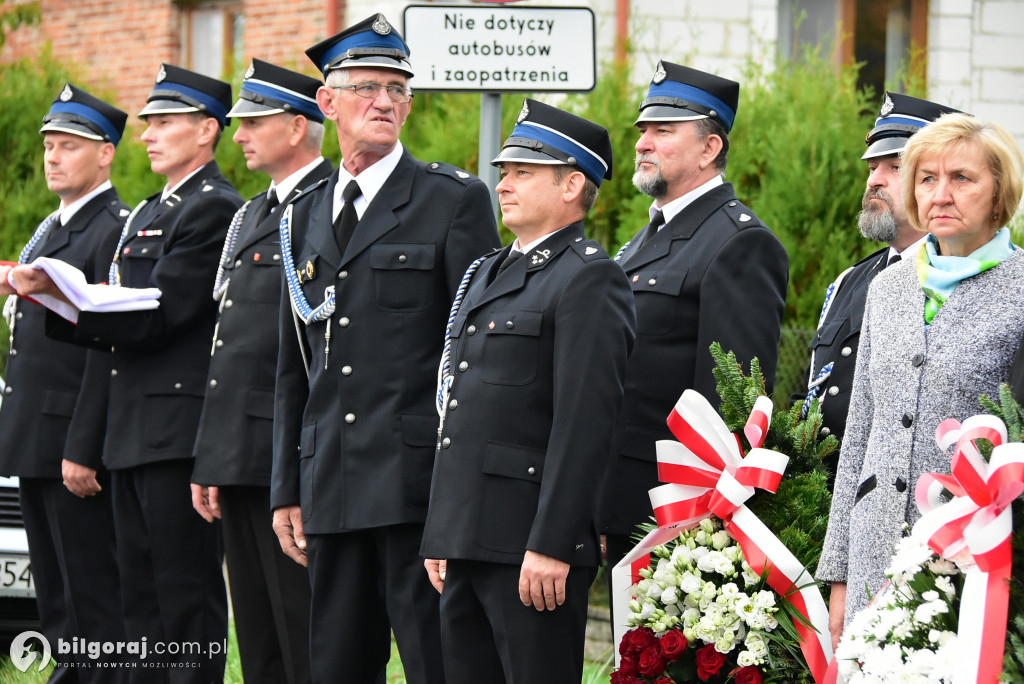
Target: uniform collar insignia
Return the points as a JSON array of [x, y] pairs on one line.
[[381, 25], [539, 256], [887, 106], [659, 75], [66, 94], [590, 250], [525, 113]]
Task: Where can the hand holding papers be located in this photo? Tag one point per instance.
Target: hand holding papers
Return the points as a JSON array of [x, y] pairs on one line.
[[63, 289]]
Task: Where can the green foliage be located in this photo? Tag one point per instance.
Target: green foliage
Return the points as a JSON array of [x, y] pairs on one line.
[[795, 159], [15, 16], [1007, 410]]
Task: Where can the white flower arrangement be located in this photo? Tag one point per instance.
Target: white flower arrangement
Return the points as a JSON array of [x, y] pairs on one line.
[[909, 631]]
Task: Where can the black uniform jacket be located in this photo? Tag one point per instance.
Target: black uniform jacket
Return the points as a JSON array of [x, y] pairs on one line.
[[836, 341], [539, 358], [44, 376], [235, 443], [354, 442], [714, 273], [161, 357]]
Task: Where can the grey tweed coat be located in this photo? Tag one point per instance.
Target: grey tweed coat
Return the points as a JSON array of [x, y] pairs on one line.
[[907, 381]]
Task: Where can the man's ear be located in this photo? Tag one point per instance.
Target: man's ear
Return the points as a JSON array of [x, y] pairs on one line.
[[572, 186], [106, 154], [208, 128], [325, 100], [712, 146]]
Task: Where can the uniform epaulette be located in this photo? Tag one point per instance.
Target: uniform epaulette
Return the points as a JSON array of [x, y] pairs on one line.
[[589, 250], [742, 215], [453, 171]]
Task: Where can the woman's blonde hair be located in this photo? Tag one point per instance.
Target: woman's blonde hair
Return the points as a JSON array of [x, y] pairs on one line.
[[952, 132]]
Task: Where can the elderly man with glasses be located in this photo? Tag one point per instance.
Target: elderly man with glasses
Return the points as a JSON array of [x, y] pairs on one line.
[[373, 257]]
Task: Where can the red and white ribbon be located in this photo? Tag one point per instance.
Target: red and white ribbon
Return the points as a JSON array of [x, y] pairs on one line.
[[977, 520], [707, 474]]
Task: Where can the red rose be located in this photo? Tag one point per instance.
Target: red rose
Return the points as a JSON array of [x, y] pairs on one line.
[[627, 666], [652, 663], [636, 641], [748, 675], [663, 680], [673, 644], [709, 662], [619, 678]]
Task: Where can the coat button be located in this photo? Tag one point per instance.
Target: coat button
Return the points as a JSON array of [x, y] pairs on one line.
[[531, 471], [453, 404], [342, 275], [220, 343], [277, 257], [228, 304], [471, 330], [177, 385], [402, 258], [908, 419], [652, 282], [113, 372], [464, 366], [350, 418], [846, 351], [8, 390], [901, 484], [213, 384], [13, 352], [19, 315], [238, 262], [343, 321], [446, 442], [509, 324], [833, 391], [346, 370], [824, 432], [917, 360]]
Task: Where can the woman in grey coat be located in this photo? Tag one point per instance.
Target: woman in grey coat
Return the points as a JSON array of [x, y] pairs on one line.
[[938, 331]]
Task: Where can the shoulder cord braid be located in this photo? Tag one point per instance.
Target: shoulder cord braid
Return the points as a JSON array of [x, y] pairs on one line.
[[444, 370], [301, 307], [622, 250], [11, 305], [114, 276], [219, 284], [816, 382]]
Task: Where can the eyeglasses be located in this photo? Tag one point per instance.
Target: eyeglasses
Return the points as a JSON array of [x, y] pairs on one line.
[[370, 90]]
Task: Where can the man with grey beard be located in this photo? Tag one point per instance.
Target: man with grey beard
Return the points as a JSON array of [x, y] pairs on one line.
[[834, 347], [704, 270]]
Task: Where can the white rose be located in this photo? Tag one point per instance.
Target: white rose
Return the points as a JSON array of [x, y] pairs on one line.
[[709, 590], [670, 596], [746, 659], [720, 539], [690, 583], [764, 599]]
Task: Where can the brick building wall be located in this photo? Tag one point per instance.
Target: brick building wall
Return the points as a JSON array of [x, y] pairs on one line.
[[117, 46]]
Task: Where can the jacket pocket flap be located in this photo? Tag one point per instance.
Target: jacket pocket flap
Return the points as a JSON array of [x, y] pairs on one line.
[[515, 323], [509, 460], [392, 256], [667, 282], [826, 334], [59, 403], [187, 384], [307, 441]]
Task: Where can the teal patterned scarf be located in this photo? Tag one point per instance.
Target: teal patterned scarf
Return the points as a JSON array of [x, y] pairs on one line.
[[939, 275]]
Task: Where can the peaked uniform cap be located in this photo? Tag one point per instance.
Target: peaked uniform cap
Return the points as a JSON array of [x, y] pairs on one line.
[[548, 135], [373, 43], [179, 91], [270, 89], [77, 112], [899, 118], [680, 93]]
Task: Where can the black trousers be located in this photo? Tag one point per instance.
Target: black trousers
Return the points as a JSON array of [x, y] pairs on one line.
[[74, 567], [366, 584], [172, 582], [488, 635], [270, 592]]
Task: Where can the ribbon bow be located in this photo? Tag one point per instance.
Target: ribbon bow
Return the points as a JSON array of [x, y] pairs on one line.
[[977, 521], [707, 474]]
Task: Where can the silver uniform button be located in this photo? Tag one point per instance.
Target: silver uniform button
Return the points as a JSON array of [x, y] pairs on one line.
[[652, 281], [402, 258], [446, 442], [19, 315], [213, 384], [342, 275], [350, 418], [220, 343], [464, 366], [8, 389], [277, 257], [346, 370], [833, 391], [846, 351], [471, 330], [113, 372], [145, 250], [509, 324], [228, 304], [531, 471], [177, 385], [453, 404], [343, 321], [14, 352], [238, 262]]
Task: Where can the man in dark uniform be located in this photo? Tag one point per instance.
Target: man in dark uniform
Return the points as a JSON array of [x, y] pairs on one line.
[[834, 347], [373, 258], [65, 491], [532, 384], [280, 129], [169, 559], [706, 269]]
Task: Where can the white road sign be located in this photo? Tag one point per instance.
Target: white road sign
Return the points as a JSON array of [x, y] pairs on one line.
[[501, 49]]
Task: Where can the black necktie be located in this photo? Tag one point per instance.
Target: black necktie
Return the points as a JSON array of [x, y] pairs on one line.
[[513, 256], [347, 219], [893, 261], [270, 205], [652, 229]]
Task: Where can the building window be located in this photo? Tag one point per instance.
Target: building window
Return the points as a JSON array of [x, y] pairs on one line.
[[887, 36], [212, 41]]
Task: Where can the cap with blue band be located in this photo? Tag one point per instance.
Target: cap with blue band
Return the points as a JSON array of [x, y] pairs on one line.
[[178, 91], [680, 93], [899, 118], [77, 112], [372, 43], [270, 89]]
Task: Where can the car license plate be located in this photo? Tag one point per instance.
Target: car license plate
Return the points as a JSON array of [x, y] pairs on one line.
[[16, 576]]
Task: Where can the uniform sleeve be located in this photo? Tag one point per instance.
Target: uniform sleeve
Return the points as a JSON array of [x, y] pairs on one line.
[[184, 274], [835, 553], [742, 299], [472, 233], [595, 325], [290, 395]]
